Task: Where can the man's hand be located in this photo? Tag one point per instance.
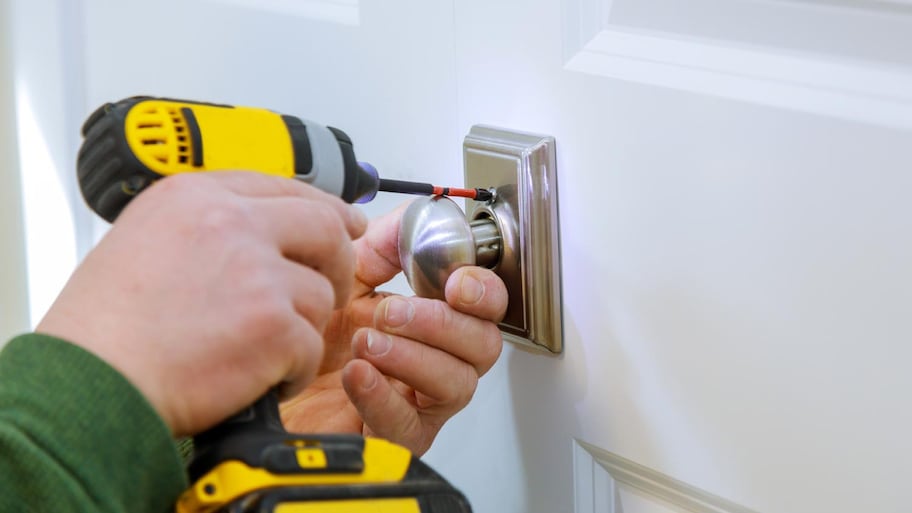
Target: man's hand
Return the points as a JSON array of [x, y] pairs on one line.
[[397, 367], [212, 288]]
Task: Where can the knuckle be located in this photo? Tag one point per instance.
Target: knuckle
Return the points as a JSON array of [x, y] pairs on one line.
[[342, 273], [491, 344], [346, 252], [248, 267], [342, 257], [467, 384], [264, 317], [320, 297], [224, 218], [330, 230], [442, 314], [264, 309], [461, 383], [325, 216], [303, 349], [411, 427], [325, 293]]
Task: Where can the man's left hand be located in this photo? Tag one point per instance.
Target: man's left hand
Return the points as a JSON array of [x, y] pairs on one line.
[[399, 367]]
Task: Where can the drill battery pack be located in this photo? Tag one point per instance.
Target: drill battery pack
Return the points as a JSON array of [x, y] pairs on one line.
[[251, 464], [321, 474]]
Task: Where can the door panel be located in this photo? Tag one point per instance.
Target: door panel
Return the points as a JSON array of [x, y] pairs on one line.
[[803, 55], [736, 284]]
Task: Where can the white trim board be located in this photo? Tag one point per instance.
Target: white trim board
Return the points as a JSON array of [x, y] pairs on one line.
[[862, 91], [602, 480]]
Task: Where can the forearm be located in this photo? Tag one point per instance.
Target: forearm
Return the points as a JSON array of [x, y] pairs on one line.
[[75, 435]]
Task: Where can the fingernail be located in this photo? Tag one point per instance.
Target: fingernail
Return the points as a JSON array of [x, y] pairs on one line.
[[470, 290], [378, 343], [370, 381], [398, 312]]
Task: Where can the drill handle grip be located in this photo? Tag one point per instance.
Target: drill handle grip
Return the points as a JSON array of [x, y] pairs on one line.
[[238, 436]]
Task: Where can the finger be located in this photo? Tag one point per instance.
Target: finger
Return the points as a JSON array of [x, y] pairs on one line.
[[377, 252], [388, 414], [322, 407], [477, 291], [448, 381], [313, 295], [259, 185], [435, 323], [310, 233], [302, 356]]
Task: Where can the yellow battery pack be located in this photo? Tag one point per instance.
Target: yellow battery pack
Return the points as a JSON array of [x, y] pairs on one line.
[[250, 464]]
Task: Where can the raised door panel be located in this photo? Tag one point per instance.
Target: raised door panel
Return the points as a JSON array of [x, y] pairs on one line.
[[735, 245]]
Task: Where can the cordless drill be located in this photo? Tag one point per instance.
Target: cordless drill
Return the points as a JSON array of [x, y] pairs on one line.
[[250, 463]]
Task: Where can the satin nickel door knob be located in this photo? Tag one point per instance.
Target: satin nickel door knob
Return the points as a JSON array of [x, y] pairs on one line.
[[435, 239], [515, 234]]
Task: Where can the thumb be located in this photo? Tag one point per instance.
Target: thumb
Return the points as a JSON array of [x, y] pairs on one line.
[[377, 252]]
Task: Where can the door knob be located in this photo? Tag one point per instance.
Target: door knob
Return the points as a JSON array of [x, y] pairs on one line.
[[515, 234], [435, 239]]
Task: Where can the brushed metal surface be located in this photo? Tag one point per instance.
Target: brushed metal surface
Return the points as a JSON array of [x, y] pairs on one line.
[[522, 168], [488, 242], [435, 239]]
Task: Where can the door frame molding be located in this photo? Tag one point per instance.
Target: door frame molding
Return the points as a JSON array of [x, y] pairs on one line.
[[601, 479], [787, 78]]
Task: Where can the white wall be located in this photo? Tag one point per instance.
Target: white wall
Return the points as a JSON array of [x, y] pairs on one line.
[[13, 291], [50, 107]]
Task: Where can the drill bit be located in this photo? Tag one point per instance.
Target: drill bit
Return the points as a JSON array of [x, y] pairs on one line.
[[404, 187]]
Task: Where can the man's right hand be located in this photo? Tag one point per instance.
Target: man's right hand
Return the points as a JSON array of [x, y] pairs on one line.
[[212, 288]]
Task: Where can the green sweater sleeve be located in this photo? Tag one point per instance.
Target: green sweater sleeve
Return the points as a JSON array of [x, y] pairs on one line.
[[75, 435]]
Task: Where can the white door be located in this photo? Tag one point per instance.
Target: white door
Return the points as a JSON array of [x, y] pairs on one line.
[[734, 182]]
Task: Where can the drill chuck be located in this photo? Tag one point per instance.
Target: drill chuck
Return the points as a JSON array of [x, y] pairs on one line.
[[368, 183]]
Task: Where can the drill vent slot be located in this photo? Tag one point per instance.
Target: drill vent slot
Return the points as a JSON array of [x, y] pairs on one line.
[[162, 133]]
